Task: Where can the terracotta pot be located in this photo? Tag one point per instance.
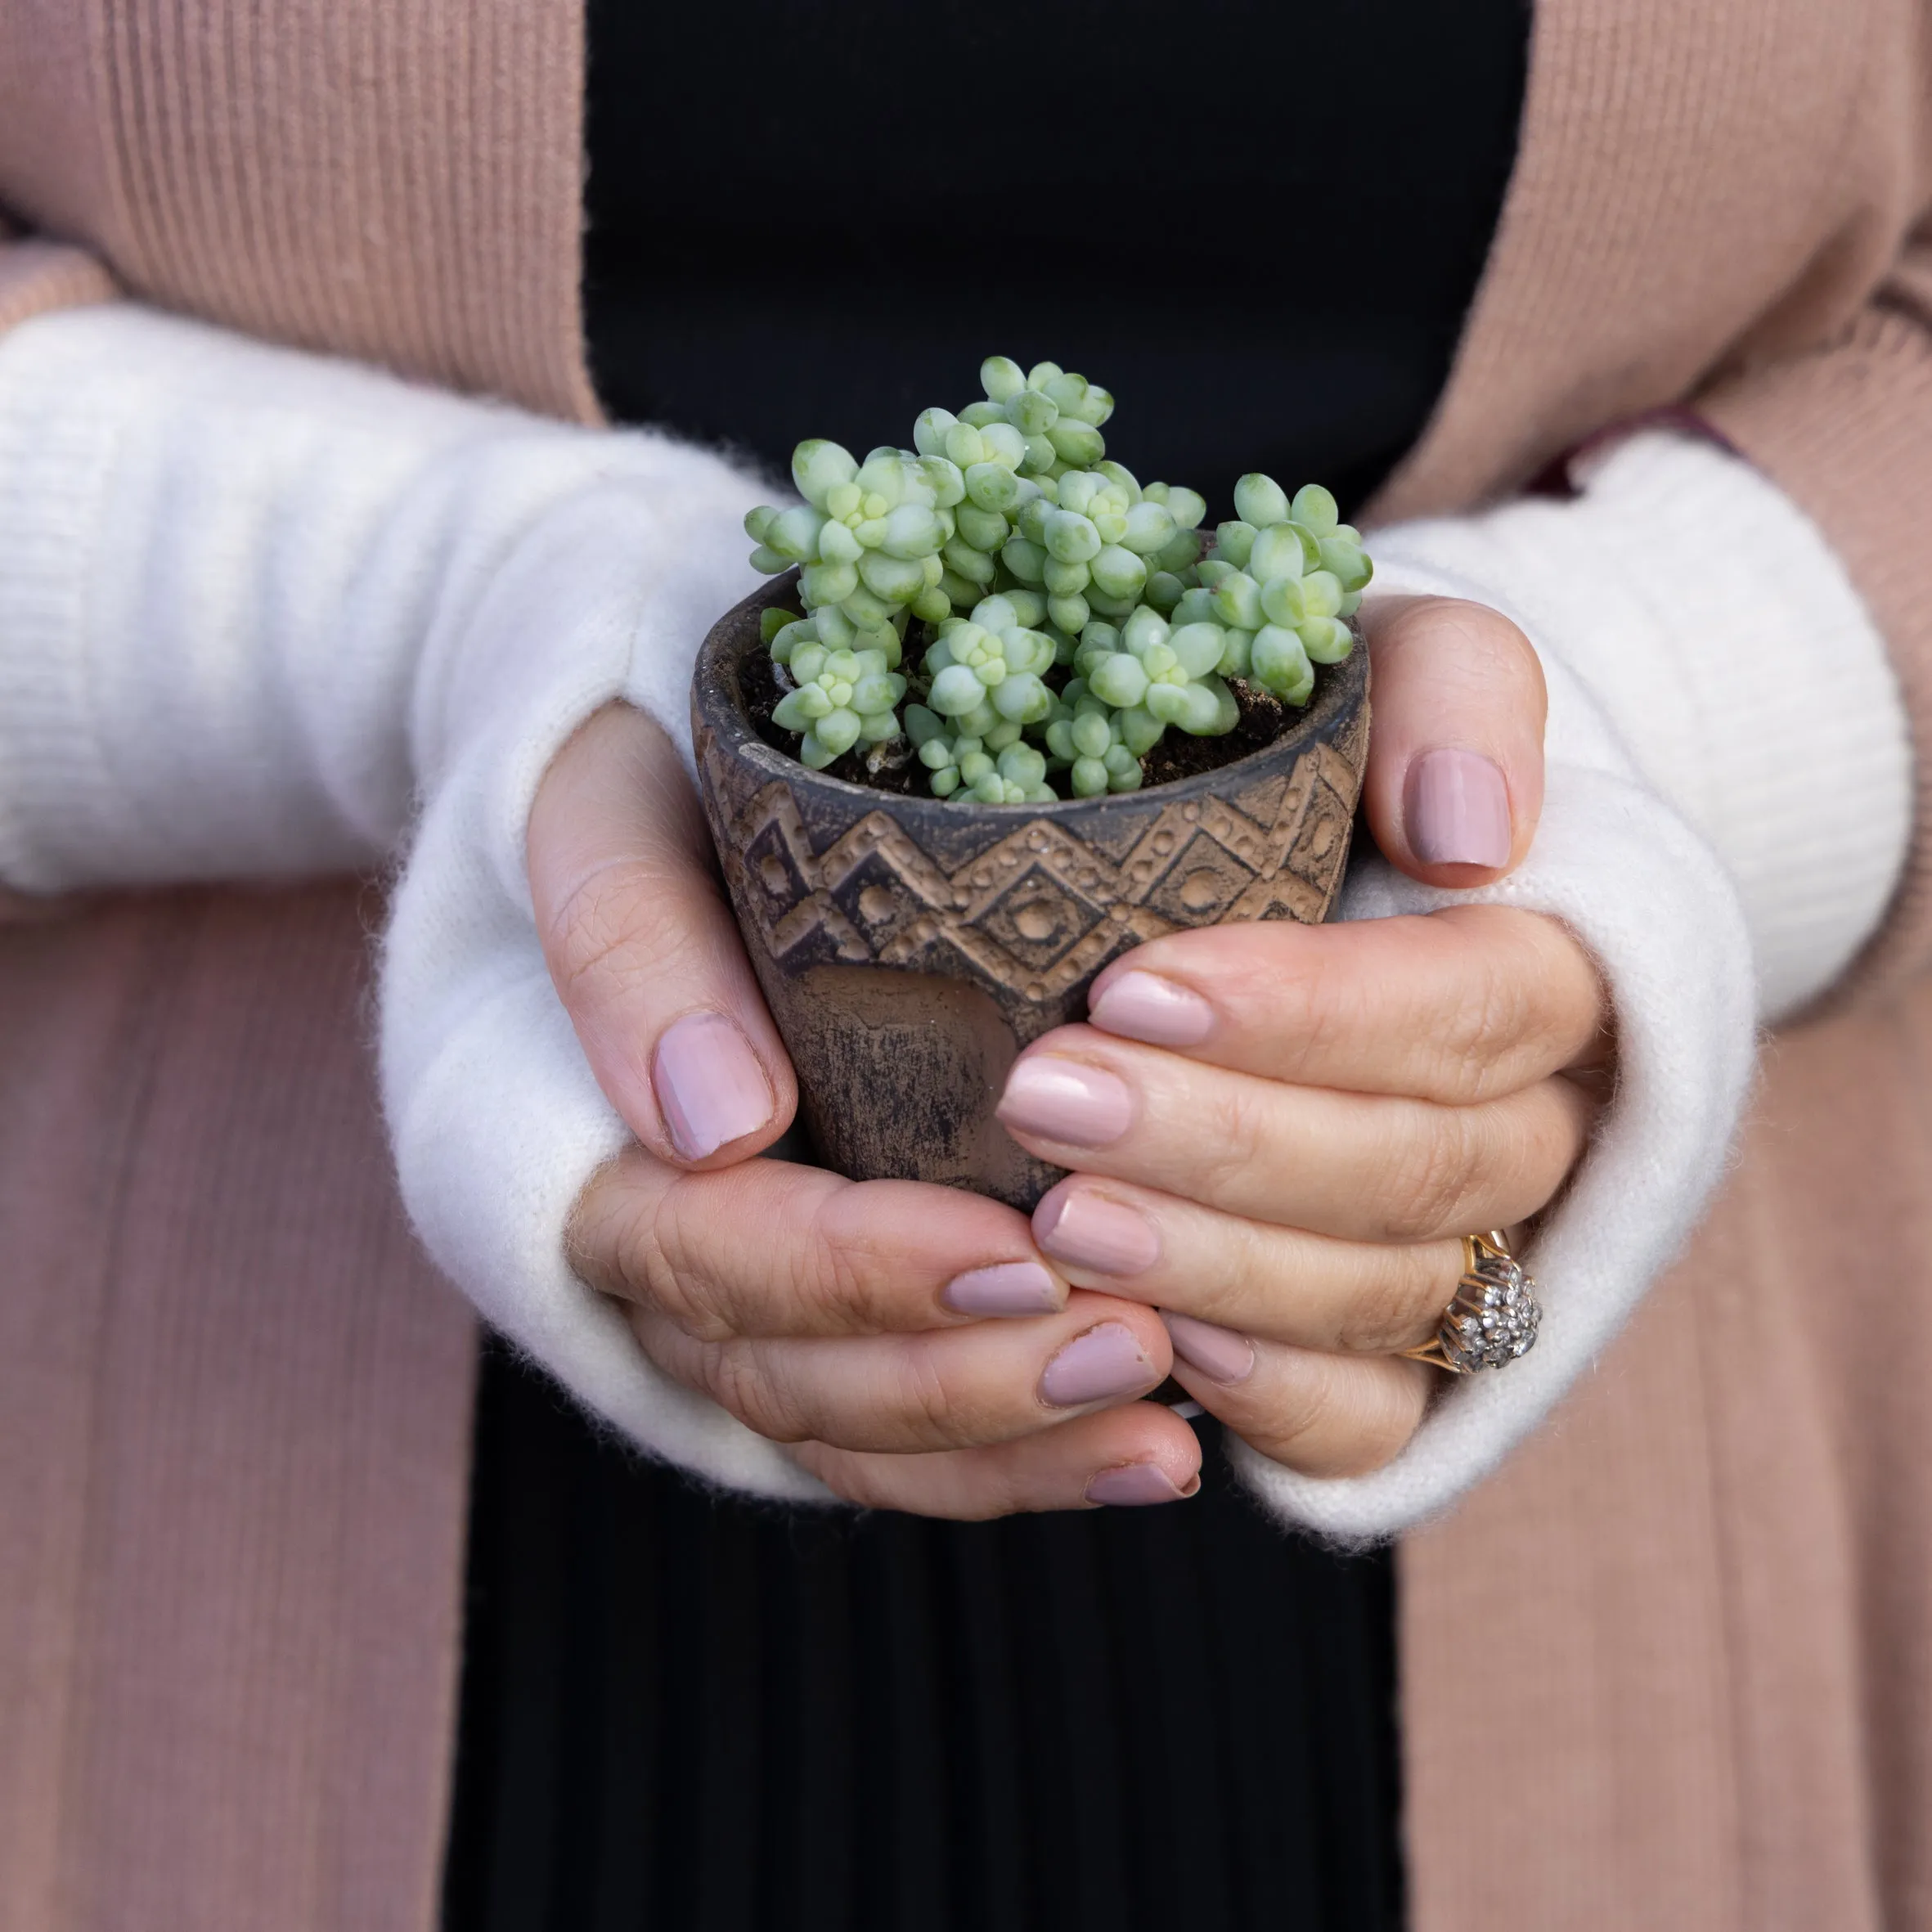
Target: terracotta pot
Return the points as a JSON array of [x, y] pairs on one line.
[[909, 947]]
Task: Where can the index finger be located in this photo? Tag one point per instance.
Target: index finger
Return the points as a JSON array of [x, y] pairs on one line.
[[768, 1248], [1458, 1006]]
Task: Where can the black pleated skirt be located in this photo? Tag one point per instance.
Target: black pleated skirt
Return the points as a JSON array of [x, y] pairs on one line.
[[705, 1715]]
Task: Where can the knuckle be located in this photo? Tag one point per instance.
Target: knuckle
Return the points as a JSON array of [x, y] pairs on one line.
[[1476, 1035], [928, 1405], [605, 936], [1428, 1182], [674, 1275], [1332, 1014], [1295, 992], [1237, 1140], [1003, 1489], [858, 1479], [1562, 1118], [1481, 646], [961, 1487], [595, 1243], [1341, 1420], [1301, 1406], [690, 1257], [1380, 1422], [863, 1487], [841, 1274], [1398, 1306], [613, 1241], [735, 1377]]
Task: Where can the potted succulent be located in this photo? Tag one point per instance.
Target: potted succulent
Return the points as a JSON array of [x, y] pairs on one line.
[[1004, 713]]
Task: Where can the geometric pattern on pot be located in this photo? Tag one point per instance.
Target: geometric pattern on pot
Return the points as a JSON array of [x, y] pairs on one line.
[[1041, 909]]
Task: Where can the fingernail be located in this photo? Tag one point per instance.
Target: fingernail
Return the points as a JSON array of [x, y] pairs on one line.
[[1063, 1100], [1135, 1485], [1144, 1006], [1105, 1362], [1456, 809], [1217, 1352], [1008, 1288], [1092, 1231], [709, 1084]]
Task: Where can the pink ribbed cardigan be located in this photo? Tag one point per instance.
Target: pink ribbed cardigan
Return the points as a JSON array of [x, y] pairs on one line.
[[1672, 1669]]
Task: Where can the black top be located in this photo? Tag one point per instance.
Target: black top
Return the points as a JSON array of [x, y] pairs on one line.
[[1260, 229]]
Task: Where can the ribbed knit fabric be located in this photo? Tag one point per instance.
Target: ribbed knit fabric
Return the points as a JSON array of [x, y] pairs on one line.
[[1836, 431], [398, 182], [230, 1526], [1692, 184], [691, 1712]]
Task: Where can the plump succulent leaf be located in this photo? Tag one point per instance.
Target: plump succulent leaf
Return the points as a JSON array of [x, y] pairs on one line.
[[1062, 616]]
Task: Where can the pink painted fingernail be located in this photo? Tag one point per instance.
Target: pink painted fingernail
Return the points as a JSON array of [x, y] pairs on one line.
[[1144, 1006], [1456, 809], [1217, 1352], [1067, 1101], [1105, 1362], [1077, 1225], [1006, 1289], [710, 1085], [1135, 1485]]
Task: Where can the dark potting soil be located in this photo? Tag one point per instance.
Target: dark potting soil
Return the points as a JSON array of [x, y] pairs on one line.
[[1264, 717]]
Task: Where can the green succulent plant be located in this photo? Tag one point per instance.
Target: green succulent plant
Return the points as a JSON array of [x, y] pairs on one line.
[[1069, 617]]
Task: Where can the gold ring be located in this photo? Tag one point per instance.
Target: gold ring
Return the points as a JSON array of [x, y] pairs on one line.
[[1494, 1317]]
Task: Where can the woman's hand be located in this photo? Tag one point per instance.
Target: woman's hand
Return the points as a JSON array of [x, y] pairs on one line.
[[1287, 1166], [914, 1345], [1281, 1133], [910, 1342]]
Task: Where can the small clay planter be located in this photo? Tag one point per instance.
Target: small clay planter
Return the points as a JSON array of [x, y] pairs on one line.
[[909, 947]]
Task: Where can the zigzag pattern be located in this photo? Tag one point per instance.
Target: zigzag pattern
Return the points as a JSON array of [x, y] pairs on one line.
[[1041, 909]]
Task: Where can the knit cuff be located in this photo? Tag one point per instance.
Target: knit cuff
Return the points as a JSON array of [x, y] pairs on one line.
[[1844, 432], [52, 479]]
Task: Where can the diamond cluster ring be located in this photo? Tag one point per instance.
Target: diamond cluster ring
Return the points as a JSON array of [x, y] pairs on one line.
[[1494, 1317]]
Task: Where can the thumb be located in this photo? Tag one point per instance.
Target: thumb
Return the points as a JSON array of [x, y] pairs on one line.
[[1454, 783], [644, 950]]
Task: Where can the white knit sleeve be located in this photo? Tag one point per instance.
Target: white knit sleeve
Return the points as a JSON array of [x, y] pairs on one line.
[[263, 614], [1727, 808], [268, 614]]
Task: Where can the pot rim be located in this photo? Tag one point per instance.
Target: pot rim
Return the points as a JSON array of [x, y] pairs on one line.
[[1337, 687]]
